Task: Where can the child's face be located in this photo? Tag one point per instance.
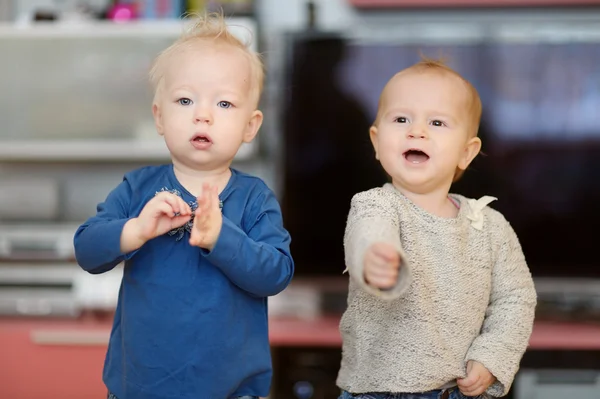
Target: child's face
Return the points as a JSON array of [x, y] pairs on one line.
[[206, 106], [424, 130]]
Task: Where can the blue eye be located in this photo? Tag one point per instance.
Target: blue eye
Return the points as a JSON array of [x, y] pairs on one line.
[[184, 101], [224, 104]]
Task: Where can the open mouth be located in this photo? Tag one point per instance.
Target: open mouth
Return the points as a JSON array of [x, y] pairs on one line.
[[201, 138], [415, 156]]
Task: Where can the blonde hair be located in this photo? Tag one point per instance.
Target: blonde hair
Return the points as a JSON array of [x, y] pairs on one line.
[[208, 27], [474, 101]]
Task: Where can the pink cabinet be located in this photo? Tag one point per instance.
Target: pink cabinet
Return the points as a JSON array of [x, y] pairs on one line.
[[52, 360]]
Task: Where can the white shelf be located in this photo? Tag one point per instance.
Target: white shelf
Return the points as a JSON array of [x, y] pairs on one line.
[[108, 29], [94, 29], [95, 150], [94, 32]]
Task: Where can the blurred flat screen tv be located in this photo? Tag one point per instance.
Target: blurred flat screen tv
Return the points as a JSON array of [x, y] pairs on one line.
[[540, 130]]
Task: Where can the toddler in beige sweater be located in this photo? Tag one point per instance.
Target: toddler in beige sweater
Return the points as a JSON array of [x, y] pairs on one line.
[[441, 301]]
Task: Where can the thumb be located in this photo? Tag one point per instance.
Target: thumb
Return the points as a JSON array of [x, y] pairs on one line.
[[386, 252], [470, 378], [469, 366], [194, 239]]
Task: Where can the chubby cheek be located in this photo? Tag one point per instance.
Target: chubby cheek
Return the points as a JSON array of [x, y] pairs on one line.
[[390, 163], [389, 146], [176, 134], [174, 142], [179, 118], [390, 157]]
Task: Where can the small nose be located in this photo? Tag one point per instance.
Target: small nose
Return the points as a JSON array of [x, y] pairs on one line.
[[202, 115], [417, 133]]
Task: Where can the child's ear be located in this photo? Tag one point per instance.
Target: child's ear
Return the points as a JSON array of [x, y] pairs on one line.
[[157, 119], [470, 152], [253, 125], [373, 135]]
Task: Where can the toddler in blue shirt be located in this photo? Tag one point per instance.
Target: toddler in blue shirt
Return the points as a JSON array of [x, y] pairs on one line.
[[203, 244]]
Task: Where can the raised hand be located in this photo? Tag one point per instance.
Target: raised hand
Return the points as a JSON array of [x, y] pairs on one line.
[[382, 263], [208, 219]]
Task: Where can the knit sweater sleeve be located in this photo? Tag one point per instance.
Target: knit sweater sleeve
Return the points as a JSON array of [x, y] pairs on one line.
[[509, 317], [373, 218]]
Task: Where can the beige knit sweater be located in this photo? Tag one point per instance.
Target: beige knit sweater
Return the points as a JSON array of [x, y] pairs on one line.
[[464, 293]]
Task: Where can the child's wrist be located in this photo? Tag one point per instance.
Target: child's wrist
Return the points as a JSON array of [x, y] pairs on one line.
[[132, 237]]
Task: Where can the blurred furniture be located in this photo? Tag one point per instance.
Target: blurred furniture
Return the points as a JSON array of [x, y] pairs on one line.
[[374, 4], [63, 358], [558, 384], [92, 100]]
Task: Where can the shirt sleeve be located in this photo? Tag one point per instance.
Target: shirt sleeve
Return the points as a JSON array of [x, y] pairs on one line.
[[373, 219], [98, 241], [257, 258], [509, 317]]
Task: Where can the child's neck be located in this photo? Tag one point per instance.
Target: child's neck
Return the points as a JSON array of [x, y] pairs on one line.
[[192, 180], [435, 202]]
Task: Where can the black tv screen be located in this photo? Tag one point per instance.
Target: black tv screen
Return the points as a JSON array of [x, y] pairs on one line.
[[540, 130]]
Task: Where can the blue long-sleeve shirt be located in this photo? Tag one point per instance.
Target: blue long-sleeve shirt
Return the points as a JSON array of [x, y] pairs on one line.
[[190, 323]]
